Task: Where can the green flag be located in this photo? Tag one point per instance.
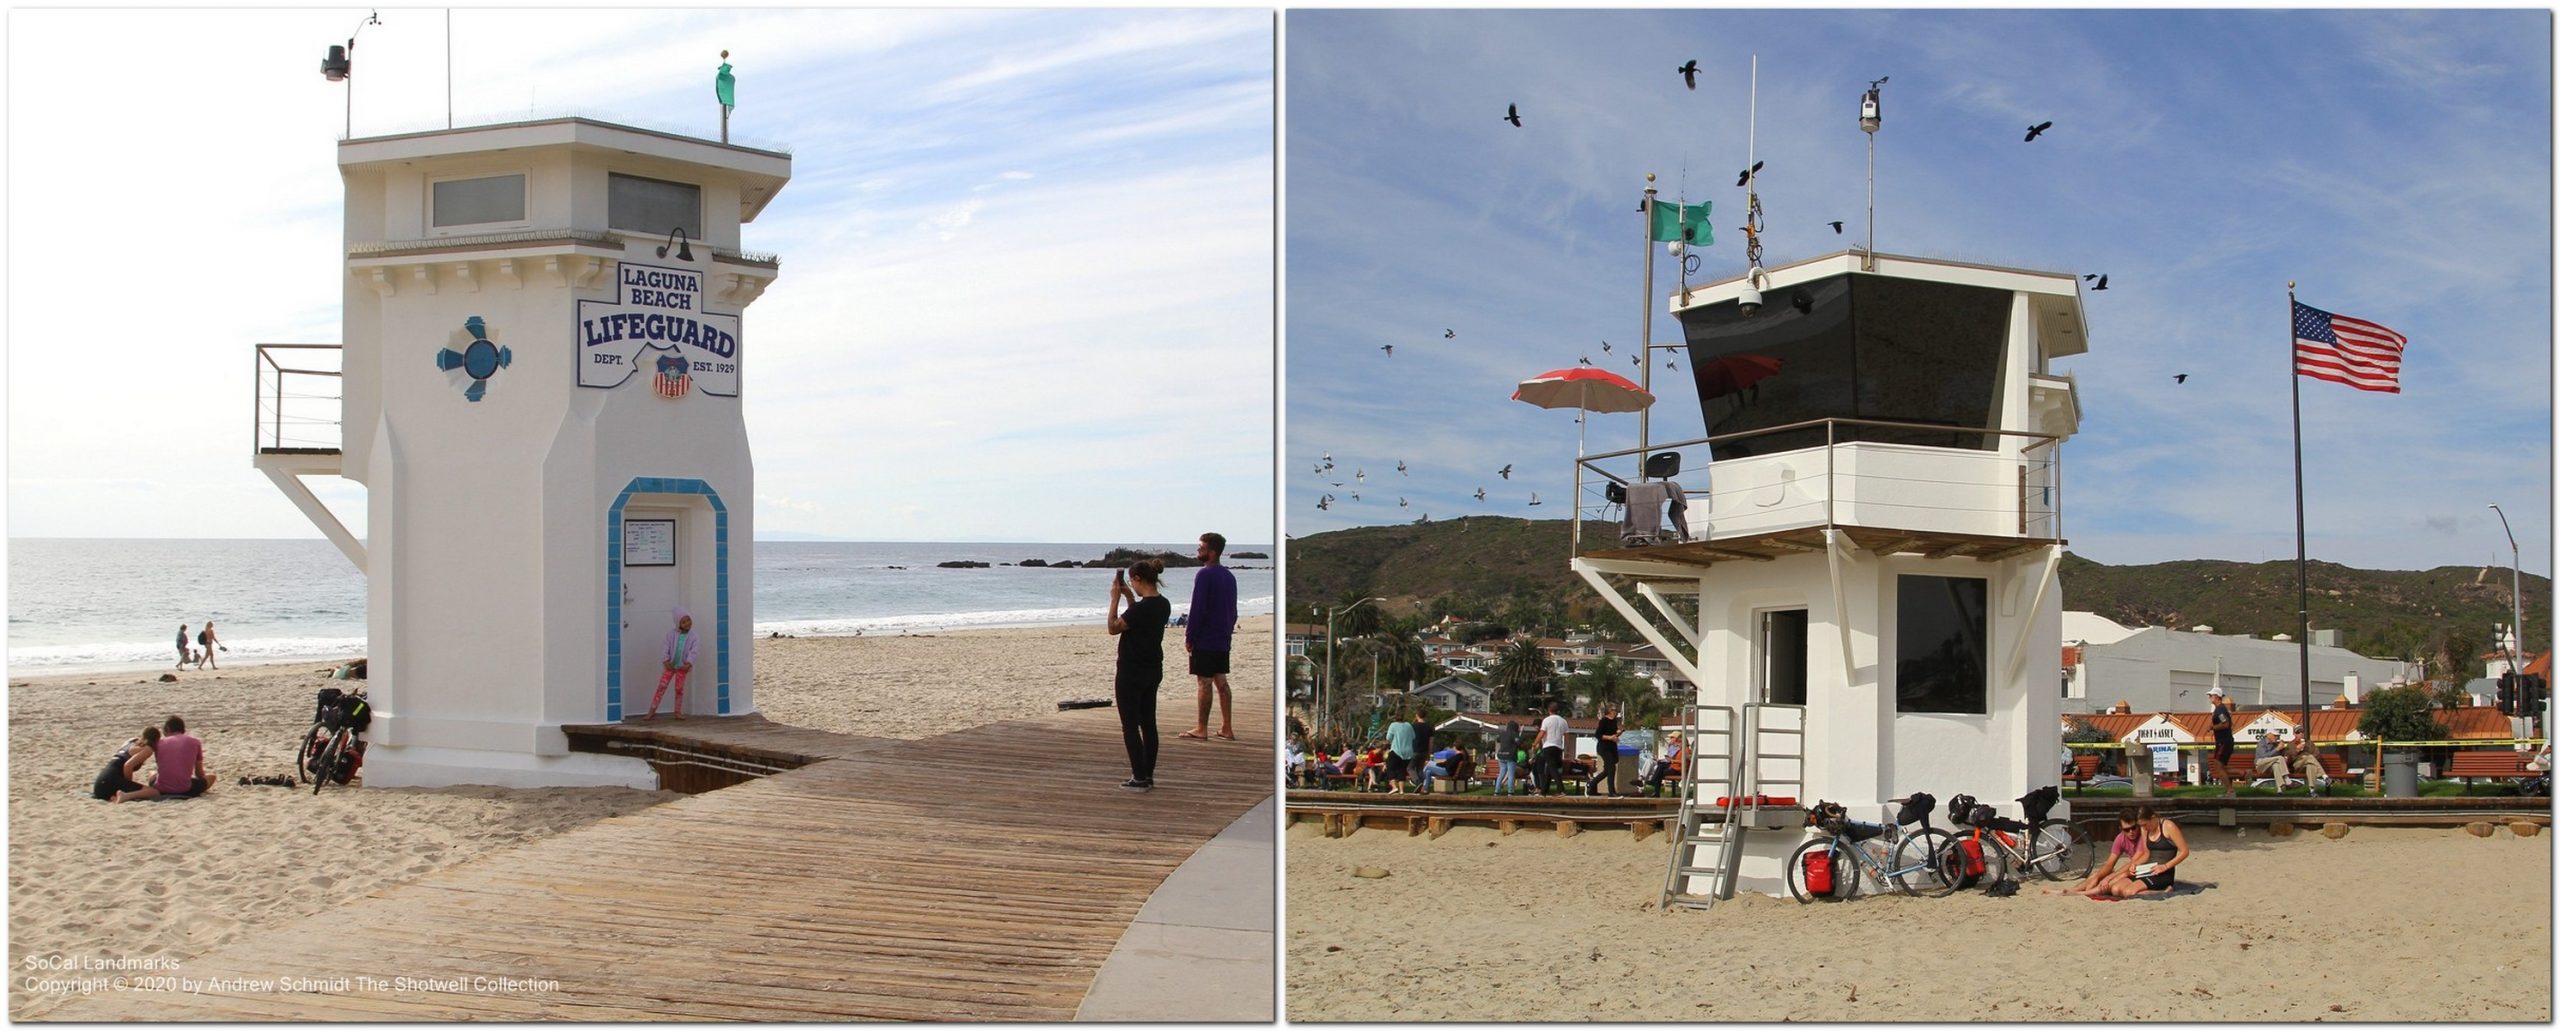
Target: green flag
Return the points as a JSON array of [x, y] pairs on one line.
[[1686, 223], [726, 86]]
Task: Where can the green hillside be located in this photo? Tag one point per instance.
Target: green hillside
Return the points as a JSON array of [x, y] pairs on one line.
[[1491, 567]]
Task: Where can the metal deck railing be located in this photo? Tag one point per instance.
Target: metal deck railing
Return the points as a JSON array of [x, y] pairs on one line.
[[300, 399], [1857, 474]]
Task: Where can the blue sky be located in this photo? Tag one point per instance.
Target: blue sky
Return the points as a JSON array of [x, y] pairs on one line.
[[2396, 163], [1027, 256]]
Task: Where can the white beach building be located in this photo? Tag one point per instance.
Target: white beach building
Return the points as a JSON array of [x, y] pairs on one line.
[[2160, 669], [1865, 594], [542, 370]]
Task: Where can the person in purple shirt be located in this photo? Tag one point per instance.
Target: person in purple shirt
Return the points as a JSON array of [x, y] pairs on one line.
[[1209, 633]]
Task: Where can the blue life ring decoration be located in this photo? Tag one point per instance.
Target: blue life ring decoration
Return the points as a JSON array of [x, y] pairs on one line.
[[478, 359]]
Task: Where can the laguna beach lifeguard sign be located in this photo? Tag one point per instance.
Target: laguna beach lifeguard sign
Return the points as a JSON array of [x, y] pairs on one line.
[[655, 320], [533, 516]]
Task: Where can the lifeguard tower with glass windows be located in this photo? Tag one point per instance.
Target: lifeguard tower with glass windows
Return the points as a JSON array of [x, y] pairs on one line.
[[1865, 593], [541, 394]]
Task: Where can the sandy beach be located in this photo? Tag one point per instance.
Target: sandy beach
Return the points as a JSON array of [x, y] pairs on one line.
[[2396, 924], [159, 881]]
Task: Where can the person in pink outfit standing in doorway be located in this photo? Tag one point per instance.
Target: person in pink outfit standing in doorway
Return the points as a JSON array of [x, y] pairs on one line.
[[678, 663]]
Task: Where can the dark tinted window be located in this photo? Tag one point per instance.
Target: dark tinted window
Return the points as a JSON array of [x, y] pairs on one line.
[[1850, 347], [462, 202], [653, 207], [1941, 631], [1786, 636]]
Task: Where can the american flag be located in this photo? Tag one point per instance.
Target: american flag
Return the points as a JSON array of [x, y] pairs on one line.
[[2340, 349], [671, 380]]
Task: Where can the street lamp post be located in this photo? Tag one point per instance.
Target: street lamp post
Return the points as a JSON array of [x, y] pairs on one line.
[[2515, 630], [1323, 711]]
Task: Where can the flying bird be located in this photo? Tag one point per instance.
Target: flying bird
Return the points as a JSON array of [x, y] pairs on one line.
[[1399, 467], [1586, 359], [1513, 117], [1636, 360], [1389, 348], [1400, 503], [1479, 493], [1506, 470], [1355, 495], [1745, 177], [1689, 73], [1324, 503], [1319, 470], [1448, 334], [1361, 475], [2102, 283], [2181, 377], [1604, 347], [1533, 499], [1336, 483], [1671, 365], [1835, 228], [2036, 130]]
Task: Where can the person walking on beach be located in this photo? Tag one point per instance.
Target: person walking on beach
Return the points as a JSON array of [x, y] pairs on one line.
[[2222, 742], [1506, 745], [1140, 627], [676, 664], [1552, 736], [1208, 634], [118, 777], [1606, 777], [205, 644], [185, 654], [177, 766], [1400, 755]]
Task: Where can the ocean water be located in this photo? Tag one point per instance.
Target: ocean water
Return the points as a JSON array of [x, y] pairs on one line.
[[116, 604]]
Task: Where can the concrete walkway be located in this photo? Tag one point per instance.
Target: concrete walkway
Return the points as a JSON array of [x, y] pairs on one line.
[[1204, 947]]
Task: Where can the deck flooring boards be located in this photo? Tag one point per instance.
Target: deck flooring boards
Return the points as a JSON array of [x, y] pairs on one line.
[[981, 875]]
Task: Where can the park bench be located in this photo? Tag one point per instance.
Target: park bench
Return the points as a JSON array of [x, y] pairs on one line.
[[2488, 763], [2244, 768]]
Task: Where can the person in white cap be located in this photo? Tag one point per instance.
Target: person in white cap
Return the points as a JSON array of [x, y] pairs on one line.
[[678, 663], [2222, 742]]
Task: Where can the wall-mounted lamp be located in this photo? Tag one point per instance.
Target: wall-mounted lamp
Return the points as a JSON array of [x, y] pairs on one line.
[[682, 243]]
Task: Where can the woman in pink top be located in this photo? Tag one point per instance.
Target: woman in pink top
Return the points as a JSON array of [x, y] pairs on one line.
[[178, 766]]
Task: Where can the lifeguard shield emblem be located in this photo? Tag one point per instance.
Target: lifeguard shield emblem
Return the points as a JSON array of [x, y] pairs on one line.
[[671, 382]]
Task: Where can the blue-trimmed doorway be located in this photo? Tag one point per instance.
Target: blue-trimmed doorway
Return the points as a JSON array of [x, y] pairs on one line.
[[688, 495]]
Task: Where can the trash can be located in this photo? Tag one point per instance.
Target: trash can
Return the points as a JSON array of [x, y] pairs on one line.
[[2400, 773], [1623, 775]]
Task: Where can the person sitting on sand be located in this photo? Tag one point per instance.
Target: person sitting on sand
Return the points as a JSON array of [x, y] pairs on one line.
[[2121, 856], [177, 766], [2164, 849], [118, 776], [677, 663]]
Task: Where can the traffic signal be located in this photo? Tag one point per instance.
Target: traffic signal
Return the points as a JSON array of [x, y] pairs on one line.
[[2507, 693]]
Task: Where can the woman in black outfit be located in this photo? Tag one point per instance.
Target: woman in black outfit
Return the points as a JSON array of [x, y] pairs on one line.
[[1140, 627]]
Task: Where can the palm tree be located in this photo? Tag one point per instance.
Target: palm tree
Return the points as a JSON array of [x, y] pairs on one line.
[[1398, 644], [1520, 675]]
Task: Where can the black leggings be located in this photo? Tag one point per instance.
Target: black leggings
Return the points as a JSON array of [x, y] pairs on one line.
[[1135, 697], [1607, 778], [1549, 768]]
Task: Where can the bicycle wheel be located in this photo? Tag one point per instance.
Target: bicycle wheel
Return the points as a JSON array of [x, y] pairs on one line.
[[307, 748], [324, 764], [1915, 870], [2059, 852], [1948, 864], [1841, 865]]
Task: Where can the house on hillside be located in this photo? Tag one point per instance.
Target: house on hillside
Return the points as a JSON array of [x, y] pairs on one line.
[[1454, 693]]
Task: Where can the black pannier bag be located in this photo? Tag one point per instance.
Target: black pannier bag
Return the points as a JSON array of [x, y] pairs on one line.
[[2039, 803], [1916, 808]]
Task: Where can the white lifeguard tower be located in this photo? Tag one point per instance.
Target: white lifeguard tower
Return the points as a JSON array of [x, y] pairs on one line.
[[1866, 594], [541, 394]]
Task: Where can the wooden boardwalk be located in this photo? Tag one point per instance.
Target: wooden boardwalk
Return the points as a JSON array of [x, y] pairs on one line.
[[981, 875]]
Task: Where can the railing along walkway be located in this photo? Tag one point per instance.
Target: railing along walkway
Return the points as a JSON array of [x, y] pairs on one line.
[[980, 875]]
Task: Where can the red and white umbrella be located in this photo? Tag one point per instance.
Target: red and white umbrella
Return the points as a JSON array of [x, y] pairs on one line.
[[1585, 389]]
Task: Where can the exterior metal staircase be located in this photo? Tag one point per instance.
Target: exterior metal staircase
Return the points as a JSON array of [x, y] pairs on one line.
[[1727, 779]]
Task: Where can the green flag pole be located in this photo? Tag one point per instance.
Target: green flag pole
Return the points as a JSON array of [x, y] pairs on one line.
[[725, 86]]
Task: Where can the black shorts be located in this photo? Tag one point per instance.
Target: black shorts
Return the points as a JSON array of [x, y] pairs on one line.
[[1395, 766], [195, 786], [2162, 881], [2222, 750], [1209, 664]]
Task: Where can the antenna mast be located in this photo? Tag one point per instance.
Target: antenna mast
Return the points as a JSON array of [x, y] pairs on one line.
[[1871, 118], [1751, 180]]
